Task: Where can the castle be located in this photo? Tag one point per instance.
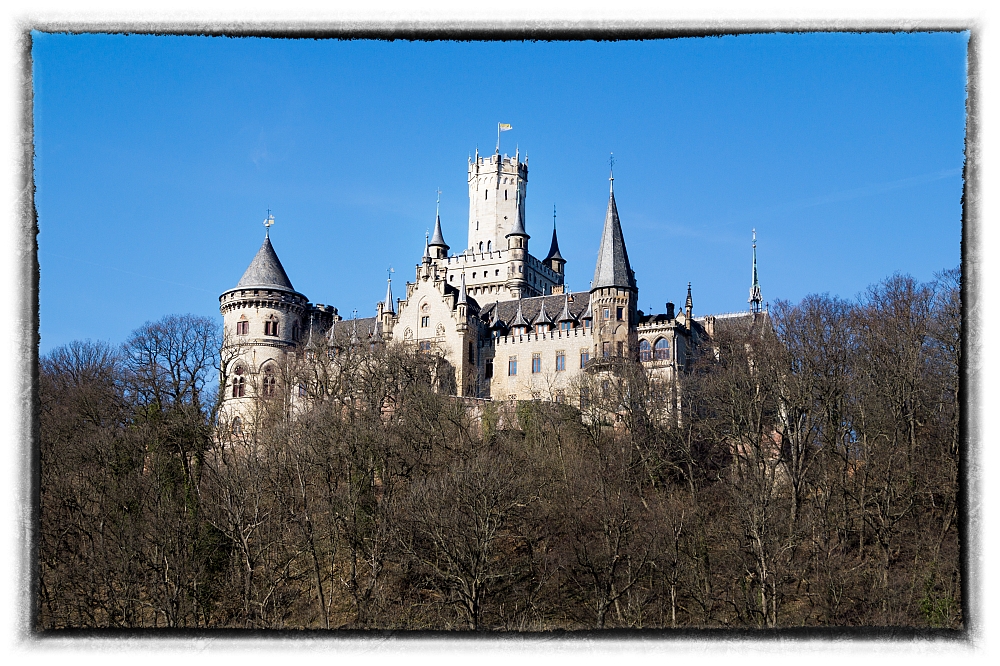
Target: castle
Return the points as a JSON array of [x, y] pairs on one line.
[[499, 319]]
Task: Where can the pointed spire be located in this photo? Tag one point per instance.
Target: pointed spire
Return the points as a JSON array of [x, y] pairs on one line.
[[427, 251], [613, 268], [265, 270], [496, 322], [437, 240], [755, 297], [463, 298], [554, 247], [542, 317], [388, 306], [565, 315], [519, 319], [688, 303], [354, 330], [588, 313]]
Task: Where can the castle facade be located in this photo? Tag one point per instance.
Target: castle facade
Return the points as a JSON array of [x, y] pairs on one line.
[[499, 318]]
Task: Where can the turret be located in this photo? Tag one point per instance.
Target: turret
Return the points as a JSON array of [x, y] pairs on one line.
[[688, 307], [613, 293], [553, 259], [437, 247], [517, 266]]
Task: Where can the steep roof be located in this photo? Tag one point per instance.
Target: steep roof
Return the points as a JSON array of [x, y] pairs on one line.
[[506, 311], [613, 268], [437, 239], [554, 248], [265, 270]]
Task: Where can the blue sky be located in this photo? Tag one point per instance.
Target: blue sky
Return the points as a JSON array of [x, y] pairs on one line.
[[158, 157]]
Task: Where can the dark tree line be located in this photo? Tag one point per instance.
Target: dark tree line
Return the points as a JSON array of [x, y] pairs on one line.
[[807, 476]]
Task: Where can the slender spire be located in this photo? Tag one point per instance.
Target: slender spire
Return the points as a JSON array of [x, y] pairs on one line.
[[427, 250], [613, 267], [437, 240], [755, 297], [688, 303], [354, 330], [388, 295], [463, 298], [612, 178], [495, 321], [554, 247]]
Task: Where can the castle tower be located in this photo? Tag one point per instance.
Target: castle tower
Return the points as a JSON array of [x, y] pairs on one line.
[[613, 293], [497, 189], [263, 317]]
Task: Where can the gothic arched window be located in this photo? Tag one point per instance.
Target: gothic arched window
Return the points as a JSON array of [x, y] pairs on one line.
[[645, 351], [239, 383], [269, 384], [662, 350], [237, 426]]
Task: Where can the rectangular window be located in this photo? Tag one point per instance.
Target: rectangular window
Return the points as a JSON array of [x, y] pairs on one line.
[[566, 325], [605, 349], [541, 328], [489, 368], [425, 322], [271, 328], [472, 353], [425, 345], [620, 313], [607, 313], [586, 323], [584, 357], [302, 390], [560, 361], [559, 398], [536, 363], [242, 327], [512, 366], [621, 348]]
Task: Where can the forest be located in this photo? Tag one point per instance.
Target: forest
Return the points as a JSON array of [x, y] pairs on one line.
[[807, 475]]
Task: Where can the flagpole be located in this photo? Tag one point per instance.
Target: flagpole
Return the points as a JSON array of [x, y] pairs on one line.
[[498, 137]]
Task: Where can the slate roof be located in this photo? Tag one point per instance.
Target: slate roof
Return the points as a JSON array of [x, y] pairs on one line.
[[613, 268], [530, 307], [265, 271], [438, 238]]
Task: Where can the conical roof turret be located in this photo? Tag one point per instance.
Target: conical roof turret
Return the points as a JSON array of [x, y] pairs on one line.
[[613, 268], [463, 298], [542, 317], [265, 271], [519, 319], [554, 247], [437, 239], [565, 315]]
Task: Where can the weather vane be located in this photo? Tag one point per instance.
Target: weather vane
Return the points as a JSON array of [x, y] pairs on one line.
[[268, 221]]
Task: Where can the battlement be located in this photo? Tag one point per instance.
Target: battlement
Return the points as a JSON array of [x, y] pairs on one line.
[[508, 164]]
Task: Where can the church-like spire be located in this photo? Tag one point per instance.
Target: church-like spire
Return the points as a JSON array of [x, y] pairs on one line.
[[755, 298], [388, 296], [613, 268], [688, 303]]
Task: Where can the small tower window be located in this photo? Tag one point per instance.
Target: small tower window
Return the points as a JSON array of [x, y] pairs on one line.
[[242, 327], [237, 426], [505, 195], [295, 331], [425, 322], [620, 314], [487, 194], [566, 325], [489, 246], [271, 328]]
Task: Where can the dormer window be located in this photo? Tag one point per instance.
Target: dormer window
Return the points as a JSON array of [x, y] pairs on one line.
[[565, 325], [541, 328]]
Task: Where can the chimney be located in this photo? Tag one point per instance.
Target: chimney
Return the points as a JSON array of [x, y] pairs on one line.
[[670, 310]]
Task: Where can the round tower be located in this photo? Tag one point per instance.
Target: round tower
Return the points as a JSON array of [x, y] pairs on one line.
[[263, 318]]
